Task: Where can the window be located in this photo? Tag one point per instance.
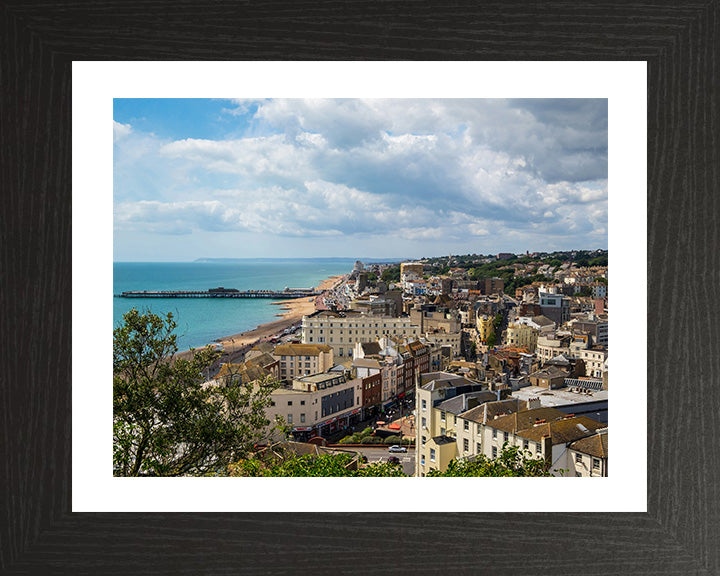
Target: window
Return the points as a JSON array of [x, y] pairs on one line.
[[478, 448], [578, 458], [505, 436], [466, 425], [422, 459], [290, 419], [289, 402], [538, 448], [478, 428], [494, 451], [432, 455], [466, 444], [302, 402], [596, 463], [424, 404], [494, 434], [442, 431], [424, 440], [424, 422], [302, 417], [442, 416], [526, 445]]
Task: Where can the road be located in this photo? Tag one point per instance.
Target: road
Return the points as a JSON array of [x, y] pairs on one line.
[[381, 454]]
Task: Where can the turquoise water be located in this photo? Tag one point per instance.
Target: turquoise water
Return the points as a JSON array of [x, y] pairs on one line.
[[202, 320]]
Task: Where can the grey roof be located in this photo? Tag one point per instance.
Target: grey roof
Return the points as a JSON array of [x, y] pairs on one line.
[[446, 383], [370, 348], [559, 360], [549, 372], [440, 440], [542, 320], [466, 401], [436, 380]]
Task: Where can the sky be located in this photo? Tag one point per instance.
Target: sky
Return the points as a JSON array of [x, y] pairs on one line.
[[304, 178]]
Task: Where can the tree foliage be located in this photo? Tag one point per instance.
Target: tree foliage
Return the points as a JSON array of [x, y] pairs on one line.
[[166, 420], [325, 465], [391, 274], [510, 462]]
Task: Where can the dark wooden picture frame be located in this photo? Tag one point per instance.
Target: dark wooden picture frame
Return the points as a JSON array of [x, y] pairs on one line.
[[680, 533]]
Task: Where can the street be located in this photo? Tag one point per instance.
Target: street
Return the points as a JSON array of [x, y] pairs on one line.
[[381, 454]]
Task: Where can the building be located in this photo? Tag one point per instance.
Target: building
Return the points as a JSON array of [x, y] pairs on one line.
[[551, 345], [485, 327], [549, 377], [494, 285], [342, 330], [431, 317], [317, 405], [411, 271], [593, 326], [302, 359], [442, 338], [589, 456], [541, 433], [433, 449], [522, 335], [555, 306]]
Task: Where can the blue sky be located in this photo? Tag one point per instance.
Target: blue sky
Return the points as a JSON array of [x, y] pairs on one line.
[[358, 178]]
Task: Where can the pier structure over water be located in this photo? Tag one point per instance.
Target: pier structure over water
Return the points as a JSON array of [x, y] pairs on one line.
[[222, 292]]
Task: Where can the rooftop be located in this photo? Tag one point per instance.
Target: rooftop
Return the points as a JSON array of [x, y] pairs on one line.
[[491, 410], [595, 445], [569, 429], [457, 404], [301, 349], [557, 396]]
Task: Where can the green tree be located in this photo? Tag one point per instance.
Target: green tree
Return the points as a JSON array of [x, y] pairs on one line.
[[491, 340], [510, 462], [325, 465], [166, 421], [497, 321], [391, 274]]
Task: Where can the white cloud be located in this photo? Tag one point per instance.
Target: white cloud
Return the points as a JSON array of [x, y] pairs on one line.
[[120, 131], [448, 170]]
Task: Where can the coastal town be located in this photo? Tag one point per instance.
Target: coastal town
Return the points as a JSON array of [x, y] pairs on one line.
[[428, 362]]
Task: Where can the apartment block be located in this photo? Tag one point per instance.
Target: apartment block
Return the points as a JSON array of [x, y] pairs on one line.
[[342, 330], [317, 405], [302, 359]]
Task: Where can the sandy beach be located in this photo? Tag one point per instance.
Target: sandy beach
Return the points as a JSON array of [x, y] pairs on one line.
[[290, 313]]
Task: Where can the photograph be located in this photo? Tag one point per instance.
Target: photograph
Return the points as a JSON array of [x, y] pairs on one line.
[[199, 203], [360, 287]]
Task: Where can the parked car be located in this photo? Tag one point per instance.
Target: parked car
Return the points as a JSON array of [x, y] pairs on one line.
[[396, 448]]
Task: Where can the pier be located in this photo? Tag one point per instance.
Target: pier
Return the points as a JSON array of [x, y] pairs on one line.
[[221, 292]]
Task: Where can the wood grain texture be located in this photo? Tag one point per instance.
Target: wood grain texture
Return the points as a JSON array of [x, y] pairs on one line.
[[681, 532]]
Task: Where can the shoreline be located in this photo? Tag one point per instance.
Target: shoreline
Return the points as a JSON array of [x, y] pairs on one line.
[[290, 313]]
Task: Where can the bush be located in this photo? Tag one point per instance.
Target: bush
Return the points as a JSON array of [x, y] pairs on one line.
[[351, 439], [367, 432], [393, 440]]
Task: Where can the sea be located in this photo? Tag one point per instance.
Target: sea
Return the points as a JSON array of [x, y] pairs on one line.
[[200, 321]]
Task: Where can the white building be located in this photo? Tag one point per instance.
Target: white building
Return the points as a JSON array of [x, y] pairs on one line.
[[342, 330]]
